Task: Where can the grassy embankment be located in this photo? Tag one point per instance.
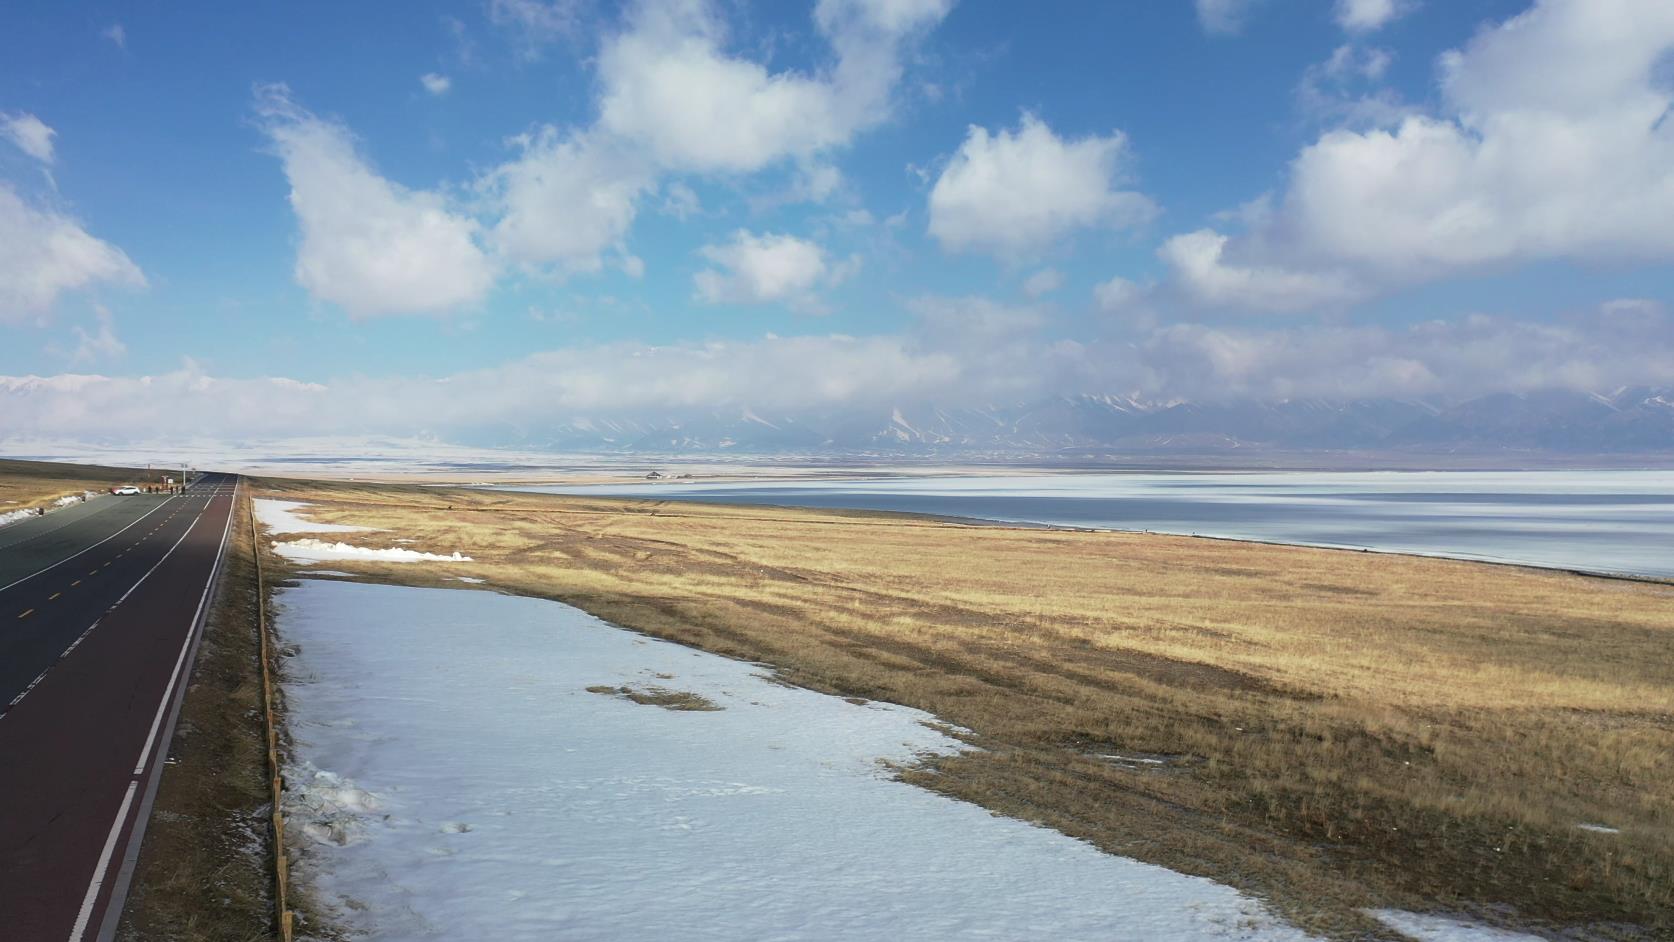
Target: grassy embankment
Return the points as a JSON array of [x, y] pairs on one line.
[[1329, 729], [205, 871], [39, 483]]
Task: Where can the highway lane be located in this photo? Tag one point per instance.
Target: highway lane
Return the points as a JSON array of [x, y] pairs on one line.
[[99, 620], [29, 544]]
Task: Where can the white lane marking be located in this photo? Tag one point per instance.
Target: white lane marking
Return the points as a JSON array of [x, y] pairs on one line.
[[94, 887], [104, 865], [83, 636], [19, 698], [94, 546], [191, 630]]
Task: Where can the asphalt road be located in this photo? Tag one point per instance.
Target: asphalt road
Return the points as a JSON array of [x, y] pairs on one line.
[[101, 606]]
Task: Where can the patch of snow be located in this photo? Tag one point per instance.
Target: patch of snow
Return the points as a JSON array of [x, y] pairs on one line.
[[1599, 828], [279, 516], [478, 791], [471, 579], [1135, 760], [13, 516], [325, 572], [315, 551], [1425, 927]]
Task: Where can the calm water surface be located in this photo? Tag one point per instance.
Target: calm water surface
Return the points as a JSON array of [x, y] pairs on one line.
[[1601, 521]]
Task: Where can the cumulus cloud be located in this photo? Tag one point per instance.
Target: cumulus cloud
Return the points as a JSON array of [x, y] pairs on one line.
[[1553, 143], [1208, 277], [45, 253], [28, 134], [767, 268], [1014, 193], [668, 83], [567, 200], [1366, 16], [369, 245]]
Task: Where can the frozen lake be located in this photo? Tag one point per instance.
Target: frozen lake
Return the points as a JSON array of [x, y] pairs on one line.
[[1598, 521]]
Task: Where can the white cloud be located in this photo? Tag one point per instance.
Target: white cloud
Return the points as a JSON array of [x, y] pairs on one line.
[[567, 200], [1207, 277], [1223, 17], [102, 343], [44, 253], [1014, 193], [1470, 356], [669, 84], [767, 268], [368, 244], [628, 379], [29, 134], [1043, 282], [1366, 16], [1554, 143], [435, 83], [116, 34], [963, 351]]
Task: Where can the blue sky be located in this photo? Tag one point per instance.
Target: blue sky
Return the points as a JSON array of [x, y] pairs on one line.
[[867, 198]]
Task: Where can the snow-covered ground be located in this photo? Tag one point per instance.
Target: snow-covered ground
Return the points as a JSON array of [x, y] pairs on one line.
[[13, 516], [319, 551], [460, 782], [280, 517]]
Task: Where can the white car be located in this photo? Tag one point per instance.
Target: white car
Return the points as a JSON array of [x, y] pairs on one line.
[[125, 490]]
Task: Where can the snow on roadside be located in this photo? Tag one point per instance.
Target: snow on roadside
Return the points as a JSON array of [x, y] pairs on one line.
[[16, 516], [459, 781], [280, 516], [1431, 928], [13, 516], [318, 551]]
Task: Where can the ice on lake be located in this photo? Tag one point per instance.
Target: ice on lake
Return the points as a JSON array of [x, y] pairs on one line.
[[1599, 521]]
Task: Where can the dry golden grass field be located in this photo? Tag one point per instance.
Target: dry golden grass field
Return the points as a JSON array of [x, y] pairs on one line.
[[38, 483], [1332, 730]]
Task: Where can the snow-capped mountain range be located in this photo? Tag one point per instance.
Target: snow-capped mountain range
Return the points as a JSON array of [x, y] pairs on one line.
[[1627, 421]]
